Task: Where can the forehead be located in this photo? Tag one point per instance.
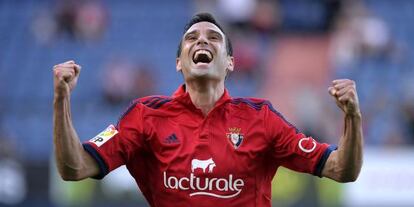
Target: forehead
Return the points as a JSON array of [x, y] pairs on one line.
[[204, 26]]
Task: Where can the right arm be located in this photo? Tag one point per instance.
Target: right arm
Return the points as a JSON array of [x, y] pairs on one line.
[[72, 161]]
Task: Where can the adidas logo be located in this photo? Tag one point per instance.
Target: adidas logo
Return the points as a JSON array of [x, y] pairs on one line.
[[172, 139]]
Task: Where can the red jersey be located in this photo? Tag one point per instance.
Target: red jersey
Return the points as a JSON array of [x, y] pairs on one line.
[[179, 157]]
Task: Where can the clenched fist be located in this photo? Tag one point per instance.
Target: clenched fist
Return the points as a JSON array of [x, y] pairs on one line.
[[65, 77], [346, 97]]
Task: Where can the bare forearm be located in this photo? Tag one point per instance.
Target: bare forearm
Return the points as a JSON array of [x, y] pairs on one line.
[[68, 149], [73, 162], [350, 148]]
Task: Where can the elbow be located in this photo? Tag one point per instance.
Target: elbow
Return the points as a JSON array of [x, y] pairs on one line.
[[348, 177], [348, 173], [70, 174], [66, 177]]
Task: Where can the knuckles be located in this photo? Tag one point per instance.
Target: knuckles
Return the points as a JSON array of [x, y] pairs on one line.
[[67, 67], [352, 83], [347, 98]]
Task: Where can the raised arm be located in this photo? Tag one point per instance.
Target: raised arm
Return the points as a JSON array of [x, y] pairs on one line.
[[72, 161], [344, 164]]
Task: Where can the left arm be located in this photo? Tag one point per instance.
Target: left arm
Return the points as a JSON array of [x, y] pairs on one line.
[[344, 164]]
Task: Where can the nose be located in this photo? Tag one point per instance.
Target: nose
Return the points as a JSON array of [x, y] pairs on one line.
[[202, 40]]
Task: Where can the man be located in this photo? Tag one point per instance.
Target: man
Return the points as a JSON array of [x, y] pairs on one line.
[[201, 147]]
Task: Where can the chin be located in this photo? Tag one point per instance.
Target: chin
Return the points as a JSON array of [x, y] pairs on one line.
[[201, 75], [204, 76], [203, 70]]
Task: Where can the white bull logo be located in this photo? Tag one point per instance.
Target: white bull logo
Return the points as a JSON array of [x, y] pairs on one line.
[[203, 164]]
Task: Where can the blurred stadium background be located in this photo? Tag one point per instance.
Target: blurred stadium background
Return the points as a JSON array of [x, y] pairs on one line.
[[287, 51]]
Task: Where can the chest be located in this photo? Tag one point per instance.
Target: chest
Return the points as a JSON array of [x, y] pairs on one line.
[[222, 143]]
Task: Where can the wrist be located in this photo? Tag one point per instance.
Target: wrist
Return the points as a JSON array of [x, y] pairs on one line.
[[58, 97], [355, 114]]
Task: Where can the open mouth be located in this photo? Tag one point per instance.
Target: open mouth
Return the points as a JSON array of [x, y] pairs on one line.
[[202, 56]]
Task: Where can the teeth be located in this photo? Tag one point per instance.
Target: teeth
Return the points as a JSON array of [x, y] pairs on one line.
[[199, 52], [203, 56]]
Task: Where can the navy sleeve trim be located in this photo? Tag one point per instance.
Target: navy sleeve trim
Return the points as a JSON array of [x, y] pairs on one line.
[[322, 161], [103, 169]]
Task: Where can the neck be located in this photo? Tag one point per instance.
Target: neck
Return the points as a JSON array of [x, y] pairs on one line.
[[205, 95]]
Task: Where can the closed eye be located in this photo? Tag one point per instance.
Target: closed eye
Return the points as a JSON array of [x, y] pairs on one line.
[[190, 37], [215, 36]]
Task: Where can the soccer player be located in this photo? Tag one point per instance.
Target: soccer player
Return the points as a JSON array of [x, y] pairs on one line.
[[201, 147]]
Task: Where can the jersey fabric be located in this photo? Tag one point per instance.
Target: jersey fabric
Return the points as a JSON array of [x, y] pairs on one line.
[[179, 157]]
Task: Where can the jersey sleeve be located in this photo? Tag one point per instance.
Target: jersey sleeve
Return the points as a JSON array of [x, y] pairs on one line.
[[116, 145], [292, 149]]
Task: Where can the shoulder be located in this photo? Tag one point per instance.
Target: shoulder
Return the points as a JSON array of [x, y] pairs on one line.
[[153, 102], [261, 105], [144, 103], [257, 104]]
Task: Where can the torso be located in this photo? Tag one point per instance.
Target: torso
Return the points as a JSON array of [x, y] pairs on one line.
[[195, 160]]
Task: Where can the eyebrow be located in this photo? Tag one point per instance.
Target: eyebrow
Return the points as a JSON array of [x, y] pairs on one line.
[[190, 33], [215, 32], [208, 30]]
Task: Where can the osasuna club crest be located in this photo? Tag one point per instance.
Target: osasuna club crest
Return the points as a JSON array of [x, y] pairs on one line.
[[235, 137]]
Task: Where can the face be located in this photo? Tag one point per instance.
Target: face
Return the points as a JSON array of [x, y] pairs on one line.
[[203, 54]]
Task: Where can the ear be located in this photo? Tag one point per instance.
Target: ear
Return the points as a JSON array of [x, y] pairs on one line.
[[230, 65], [178, 64]]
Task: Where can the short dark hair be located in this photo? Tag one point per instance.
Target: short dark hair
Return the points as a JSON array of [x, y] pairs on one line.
[[206, 17]]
